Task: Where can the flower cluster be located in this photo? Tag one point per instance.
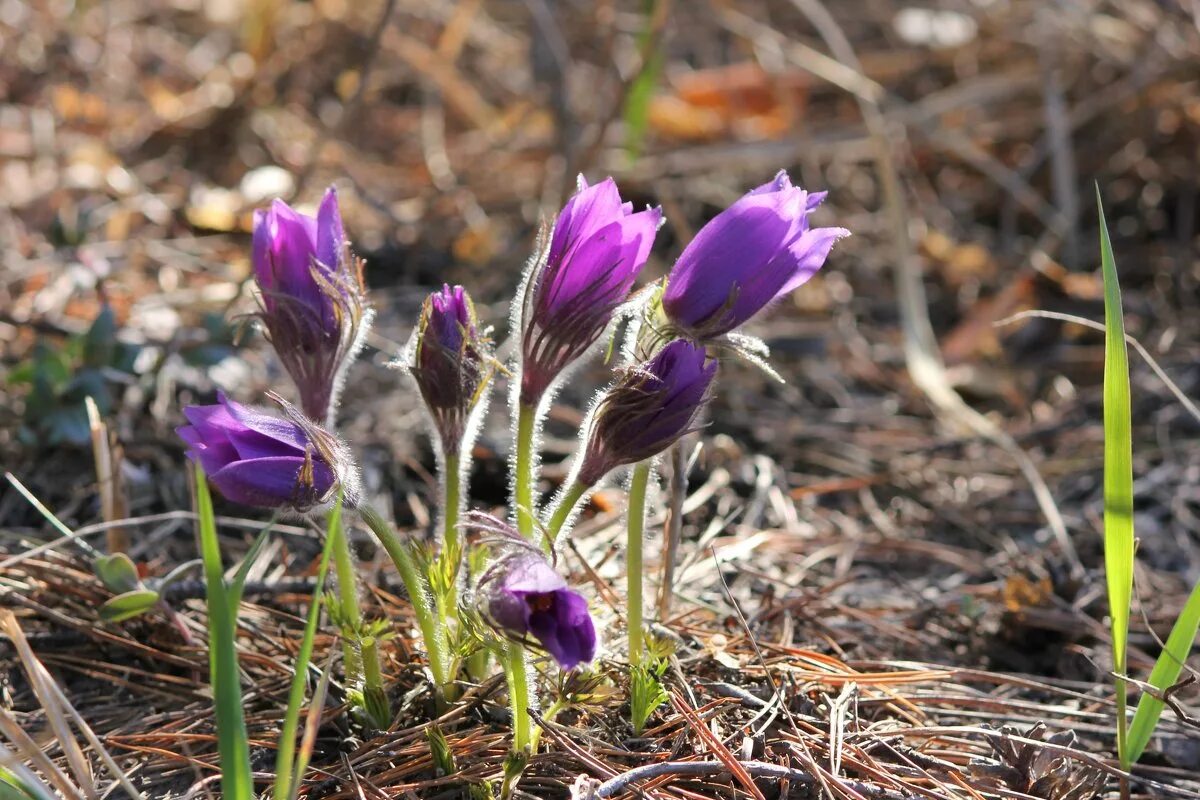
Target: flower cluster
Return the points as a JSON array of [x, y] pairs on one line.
[[580, 285]]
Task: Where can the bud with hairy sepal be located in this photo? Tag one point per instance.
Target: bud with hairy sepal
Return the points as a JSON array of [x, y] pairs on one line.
[[597, 249], [448, 358], [647, 409], [313, 303]]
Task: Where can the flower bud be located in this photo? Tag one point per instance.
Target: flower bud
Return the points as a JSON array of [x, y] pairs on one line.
[[597, 248], [755, 251], [259, 460], [647, 409], [524, 598], [313, 304], [447, 359]]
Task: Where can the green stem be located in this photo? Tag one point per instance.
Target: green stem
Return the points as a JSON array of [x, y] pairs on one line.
[[519, 695], [562, 513], [525, 478], [343, 564], [451, 499], [375, 698], [418, 594], [1122, 720], [636, 521]]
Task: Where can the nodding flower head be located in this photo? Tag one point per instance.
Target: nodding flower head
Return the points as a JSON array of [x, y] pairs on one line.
[[259, 460], [597, 248], [757, 250], [313, 303], [448, 360], [647, 409]]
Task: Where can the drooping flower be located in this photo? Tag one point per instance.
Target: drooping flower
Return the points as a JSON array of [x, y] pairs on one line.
[[597, 248], [447, 358], [757, 250], [525, 599], [313, 303], [260, 460], [647, 409]]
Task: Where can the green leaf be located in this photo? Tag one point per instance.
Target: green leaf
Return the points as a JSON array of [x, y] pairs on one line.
[[1166, 671], [641, 91], [100, 343], [1118, 477], [128, 605], [117, 572], [289, 773], [233, 744], [646, 692]]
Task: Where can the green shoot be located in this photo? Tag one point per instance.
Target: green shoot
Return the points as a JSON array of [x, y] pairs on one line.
[[288, 777], [1118, 480], [1163, 676], [233, 744], [646, 692]]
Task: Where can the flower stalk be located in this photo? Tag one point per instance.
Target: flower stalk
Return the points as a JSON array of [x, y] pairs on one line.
[[348, 612], [636, 530], [524, 467]]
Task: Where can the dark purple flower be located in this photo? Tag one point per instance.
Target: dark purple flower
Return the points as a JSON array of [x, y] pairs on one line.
[[757, 250], [524, 598], [447, 359], [313, 302], [260, 460], [598, 247], [648, 408]]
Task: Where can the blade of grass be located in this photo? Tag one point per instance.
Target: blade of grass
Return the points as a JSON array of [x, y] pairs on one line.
[[1118, 479], [233, 745], [238, 584], [1166, 671], [286, 773]]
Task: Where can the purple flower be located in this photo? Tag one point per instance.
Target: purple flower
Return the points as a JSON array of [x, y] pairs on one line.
[[755, 251], [447, 359], [648, 409], [598, 247], [260, 460], [524, 598], [313, 302]]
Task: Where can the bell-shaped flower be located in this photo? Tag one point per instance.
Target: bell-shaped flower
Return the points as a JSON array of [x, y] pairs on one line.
[[647, 409], [448, 359], [260, 460], [757, 250], [526, 600], [597, 248], [313, 303]]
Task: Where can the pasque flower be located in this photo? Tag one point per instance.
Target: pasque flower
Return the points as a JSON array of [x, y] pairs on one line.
[[448, 361], [257, 459], [758, 249], [526, 599], [647, 409], [313, 302], [597, 248]]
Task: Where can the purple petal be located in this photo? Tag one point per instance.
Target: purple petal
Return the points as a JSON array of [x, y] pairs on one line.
[[268, 482], [285, 432], [564, 628], [329, 232], [809, 253], [588, 210]]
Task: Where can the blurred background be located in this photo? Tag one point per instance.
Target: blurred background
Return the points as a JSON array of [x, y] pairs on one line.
[[961, 141]]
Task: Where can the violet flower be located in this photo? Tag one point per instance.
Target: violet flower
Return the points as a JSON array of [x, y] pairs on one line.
[[524, 598], [313, 302], [259, 460], [756, 251], [598, 247], [647, 409], [447, 360]]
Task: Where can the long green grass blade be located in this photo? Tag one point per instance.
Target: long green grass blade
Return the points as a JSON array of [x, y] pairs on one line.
[[287, 776], [1118, 477], [1165, 673], [233, 745]]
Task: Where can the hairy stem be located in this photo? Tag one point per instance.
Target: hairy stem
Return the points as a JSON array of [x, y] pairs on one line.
[[636, 522], [525, 478], [562, 513], [451, 502], [418, 594], [347, 585], [519, 696]]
